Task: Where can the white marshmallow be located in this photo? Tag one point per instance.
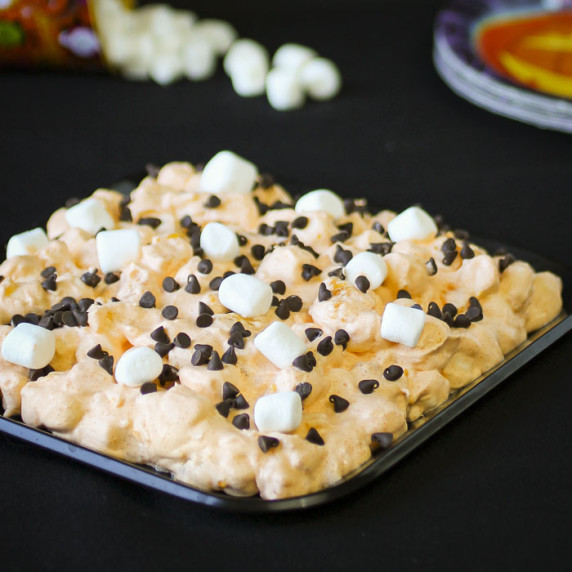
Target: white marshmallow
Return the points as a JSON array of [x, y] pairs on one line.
[[321, 200], [28, 242], [218, 33], [402, 324], [412, 224], [320, 78], [279, 344], [89, 215], [245, 295], [367, 264], [138, 366], [280, 412], [292, 56], [219, 242], [226, 172], [165, 68], [246, 62], [250, 82], [29, 346], [116, 248], [198, 59], [283, 90]]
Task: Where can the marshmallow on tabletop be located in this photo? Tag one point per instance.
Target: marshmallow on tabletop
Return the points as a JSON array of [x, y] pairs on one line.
[[250, 82], [367, 264], [165, 68], [226, 172], [246, 62], [89, 215], [320, 78], [198, 59], [292, 56], [245, 295], [283, 90], [116, 248], [26, 243], [29, 346], [280, 412], [402, 324], [279, 344], [138, 366], [218, 33], [321, 200], [412, 224], [219, 242]]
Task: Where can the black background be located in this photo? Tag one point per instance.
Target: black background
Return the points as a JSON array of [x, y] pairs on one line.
[[493, 489]]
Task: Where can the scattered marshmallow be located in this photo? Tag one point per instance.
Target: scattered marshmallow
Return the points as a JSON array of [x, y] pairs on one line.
[[245, 295], [367, 264], [226, 172], [281, 412], [218, 33], [165, 68], [138, 366], [279, 344], [283, 90], [412, 224], [402, 324], [25, 243], [29, 346], [116, 248], [90, 215], [246, 62], [321, 200], [321, 79], [219, 242], [198, 59], [292, 56]]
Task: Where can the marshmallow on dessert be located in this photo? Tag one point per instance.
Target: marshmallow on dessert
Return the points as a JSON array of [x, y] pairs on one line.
[[292, 56], [89, 215], [280, 412], [138, 366], [320, 78], [116, 248], [246, 63], [283, 90], [25, 243], [245, 295], [368, 264], [402, 324], [219, 242], [279, 344], [226, 172], [321, 200], [412, 224], [29, 346]]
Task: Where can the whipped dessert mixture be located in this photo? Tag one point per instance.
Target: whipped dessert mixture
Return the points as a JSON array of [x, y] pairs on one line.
[[270, 353]]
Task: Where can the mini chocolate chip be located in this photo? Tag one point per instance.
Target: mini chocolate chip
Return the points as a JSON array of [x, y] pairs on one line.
[[32, 318], [236, 340], [403, 294], [431, 267], [449, 257], [50, 283], [114, 299], [238, 260], [417, 307], [309, 271], [475, 310], [229, 356], [325, 347], [106, 363], [381, 441], [303, 389], [205, 266], [349, 206], [238, 327], [462, 321], [80, 318], [147, 300], [265, 229], [258, 251], [303, 363], [168, 373], [313, 333], [170, 312], [433, 310], [110, 278], [85, 304], [96, 352], [90, 279], [160, 335], [340, 237], [314, 437], [170, 284], [367, 386], [229, 391], [265, 181], [278, 287], [393, 372], [192, 286], [240, 402], [266, 443], [163, 349], [125, 214], [282, 310], [69, 319], [448, 319], [227, 274], [294, 303], [47, 322], [212, 202], [311, 359], [205, 309], [204, 320], [450, 309], [295, 241], [300, 222], [323, 293], [342, 256], [151, 221], [340, 404], [262, 207], [186, 221], [461, 234], [214, 363], [200, 356], [241, 421], [377, 226], [341, 338], [47, 272], [362, 283], [215, 283], [338, 273], [382, 248], [281, 228], [35, 374], [182, 340], [148, 387], [224, 407], [346, 227], [246, 267], [467, 252], [449, 245], [505, 262]]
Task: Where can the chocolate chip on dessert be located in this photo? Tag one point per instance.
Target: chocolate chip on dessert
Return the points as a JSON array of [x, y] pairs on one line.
[[281, 228], [467, 252], [266, 443], [50, 283], [106, 363], [449, 257], [431, 267], [349, 205], [182, 340], [215, 364], [192, 286], [229, 391], [450, 309], [170, 284], [303, 389], [114, 299], [380, 441], [449, 245], [341, 338], [236, 340], [325, 347], [205, 309], [35, 374], [151, 221], [204, 320], [229, 356], [462, 321], [224, 407], [262, 207], [242, 240], [403, 294], [300, 222], [340, 404], [323, 293], [338, 273], [68, 319], [265, 229], [505, 262], [201, 355], [382, 248], [393, 372], [313, 333], [238, 327], [47, 272], [47, 322], [85, 304], [314, 437], [282, 310], [212, 202], [278, 287], [170, 312], [258, 251], [294, 303], [147, 300], [110, 278], [90, 279], [362, 283], [160, 335], [240, 402], [148, 387], [342, 256], [378, 227], [475, 310], [169, 373], [246, 267], [163, 349], [241, 421], [304, 362], [295, 241], [32, 318], [347, 227], [367, 386], [205, 266], [265, 181], [186, 221], [417, 307], [340, 237], [309, 271], [125, 214], [215, 283]]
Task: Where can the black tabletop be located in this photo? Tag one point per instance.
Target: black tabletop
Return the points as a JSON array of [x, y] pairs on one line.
[[493, 488]]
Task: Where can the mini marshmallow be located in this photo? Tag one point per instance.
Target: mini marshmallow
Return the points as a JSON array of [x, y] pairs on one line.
[[246, 62], [367, 264], [412, 224], [402, 324], [218, 33], [198, 59], [89, 215], [116, 248], [29, 346], [138, 366], [25, 243], [292, 56], [320, 78], [280, 412], [279, 344], [219, 242], [283, 90], [321, 200], [245, 295], [226, 172], [165, 68], [250, 83]]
